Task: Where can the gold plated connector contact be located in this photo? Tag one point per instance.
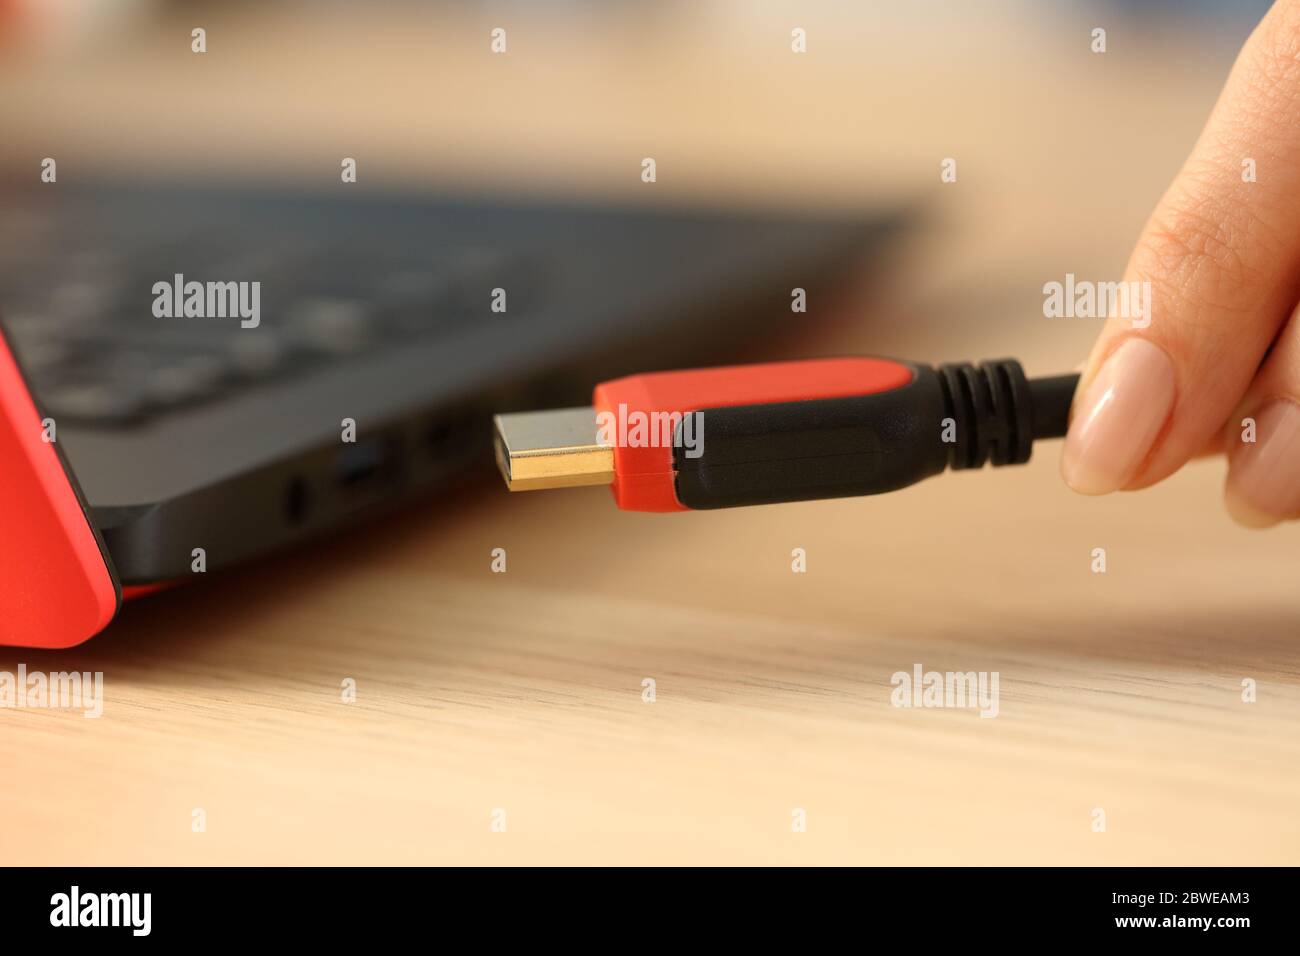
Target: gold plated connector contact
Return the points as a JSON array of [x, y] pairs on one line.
[[552, 449]]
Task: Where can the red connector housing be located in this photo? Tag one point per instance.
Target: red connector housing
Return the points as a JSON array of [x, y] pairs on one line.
[[643, 478]]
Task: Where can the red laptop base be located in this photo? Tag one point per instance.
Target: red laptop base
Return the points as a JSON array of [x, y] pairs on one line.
[[57, 585]]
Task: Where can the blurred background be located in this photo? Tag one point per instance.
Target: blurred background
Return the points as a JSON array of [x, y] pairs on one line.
[[1061, 151]]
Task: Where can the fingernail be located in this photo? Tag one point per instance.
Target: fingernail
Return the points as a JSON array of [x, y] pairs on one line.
[[1118, 418], [1264, 476]]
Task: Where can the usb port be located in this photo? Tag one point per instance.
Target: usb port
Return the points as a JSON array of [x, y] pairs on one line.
[[360, 462]]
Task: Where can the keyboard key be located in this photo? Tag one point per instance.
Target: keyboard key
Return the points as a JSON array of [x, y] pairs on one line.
[[98, 403], [331, 326], [257, 353], [178, 381]]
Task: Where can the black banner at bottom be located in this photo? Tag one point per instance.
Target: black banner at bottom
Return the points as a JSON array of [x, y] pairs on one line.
[[372, 905]]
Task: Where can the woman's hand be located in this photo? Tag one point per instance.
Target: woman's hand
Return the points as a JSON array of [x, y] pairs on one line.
[[1222, 256]]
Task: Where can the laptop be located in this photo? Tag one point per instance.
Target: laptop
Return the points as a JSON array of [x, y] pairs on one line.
[[228, 371]]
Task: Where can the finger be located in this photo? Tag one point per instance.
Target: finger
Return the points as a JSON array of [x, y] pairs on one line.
[[1222, 259], [1263, 484]]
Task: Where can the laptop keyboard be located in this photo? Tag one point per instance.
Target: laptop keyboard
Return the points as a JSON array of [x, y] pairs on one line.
[[346, 274], [80, 315]]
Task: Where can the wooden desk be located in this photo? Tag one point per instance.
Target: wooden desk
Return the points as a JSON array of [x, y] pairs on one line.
[[522, 691]]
